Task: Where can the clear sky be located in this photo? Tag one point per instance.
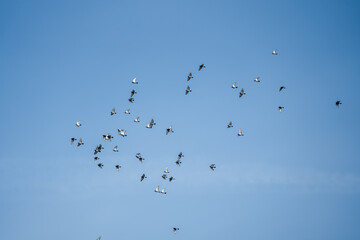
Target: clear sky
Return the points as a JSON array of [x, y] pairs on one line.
[[294, 175]]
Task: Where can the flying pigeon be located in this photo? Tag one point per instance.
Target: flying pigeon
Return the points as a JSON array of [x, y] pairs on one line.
[[151, 124], [122, 132], [164, 176], [113, 111], [280, 108], [78, 124], [178, 162], [100, 165], [282, 88], [230, 125], [80, 142], [142, 177], [175, 229], [127, 111], [131, 100], [180, 155], [212, 167], [240, 134], [136, 119], [234, 85], [189, 76], [133, 92], [201, 66], [115, 149], [338, 103], [107, 137], [96, 158], [188, 90], [117, 167], [73, 140], [138, 156], [169, 130], [166, 170], [163, 191], [98, 149], [157, 189], [274, 52], [134, 81], [171, 178], [99, 238], [257, 79], [242, 92]]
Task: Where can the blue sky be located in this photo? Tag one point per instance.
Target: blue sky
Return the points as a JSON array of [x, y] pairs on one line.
[[294, 175]]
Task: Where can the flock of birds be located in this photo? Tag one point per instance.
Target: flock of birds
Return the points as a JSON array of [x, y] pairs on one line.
[[122, 132]]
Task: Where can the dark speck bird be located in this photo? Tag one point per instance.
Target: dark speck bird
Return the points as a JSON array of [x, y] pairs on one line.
[[175, 229], [189, 76], [282, 88], [212, 167], [131, 100], [117, 167], [338, 103], [80, 142], [171, 178], [142, 177], [242, 93], [100, 165], [201, 66], [133, 92], [188, 90], [73, 140]]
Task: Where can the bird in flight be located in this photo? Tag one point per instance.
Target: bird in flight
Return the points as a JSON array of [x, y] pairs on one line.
[[122, 132], [107, 137], [96, 158], [282, 88], [131, 100], [230, 125], [157, 189], [112, 111], [151, 124], [136, 119], [234, 86], [171, 178], [117, 167], [163, 191], [274, 52], [242, 92], [116, 149], [134, 81], [257, 79], [73, 140], [280, 108], [178, 162], [240, 134], [100, 165], [188, 90], [98, 149], [80, 142], [169, 130], [142, 177], [166, 170], [78, 124], [201, 66], [127, 111], [212, 167], [138, 156], [180, 155], [190, 76], [133, 92], [175, 229], [99, 238], [338, 103], [164, 176]]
